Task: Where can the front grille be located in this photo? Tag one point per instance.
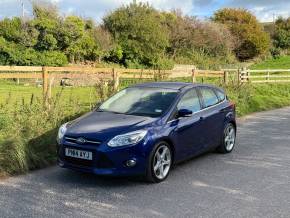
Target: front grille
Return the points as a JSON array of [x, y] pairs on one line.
[[81, 140]]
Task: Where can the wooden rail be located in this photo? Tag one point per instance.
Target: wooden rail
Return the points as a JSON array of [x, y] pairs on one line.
[[114, 74], [265, 76]]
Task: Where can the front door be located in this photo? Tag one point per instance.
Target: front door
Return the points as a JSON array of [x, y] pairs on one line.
[[188, 130]]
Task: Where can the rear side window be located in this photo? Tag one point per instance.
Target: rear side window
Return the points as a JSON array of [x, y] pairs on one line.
[[221, 95], [209, 97], [190, 101]]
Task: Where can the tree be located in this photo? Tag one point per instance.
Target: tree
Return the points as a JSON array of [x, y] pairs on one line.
[[104, 42], [282, 33], [46, 21], [138, 30], [194, 41], [252, 40], [180, 31], [71, 30]]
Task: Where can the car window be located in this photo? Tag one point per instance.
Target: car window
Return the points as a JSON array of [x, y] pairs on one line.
[[152, 102], [190, 101], [220, 94], [209, 97]]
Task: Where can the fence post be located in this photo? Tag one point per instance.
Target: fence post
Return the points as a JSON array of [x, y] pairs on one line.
[[193, 75], [268, 75], [226, 77], [242, 74], [116, 80], [238, 76], [45, 84]]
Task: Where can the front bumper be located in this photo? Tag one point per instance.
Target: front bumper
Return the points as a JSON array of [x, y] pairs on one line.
[[106, 160]]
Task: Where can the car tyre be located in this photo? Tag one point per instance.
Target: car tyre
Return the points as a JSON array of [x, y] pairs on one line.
[[160, 162], [228, 140]]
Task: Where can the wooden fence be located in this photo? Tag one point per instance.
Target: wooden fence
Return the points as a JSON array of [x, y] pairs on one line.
[[47, 74], [265, 76]]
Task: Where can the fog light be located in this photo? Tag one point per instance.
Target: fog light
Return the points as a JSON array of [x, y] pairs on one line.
[[130, 163]]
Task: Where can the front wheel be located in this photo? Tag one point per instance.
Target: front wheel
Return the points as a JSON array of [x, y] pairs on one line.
[[229, 139], [160, 162]]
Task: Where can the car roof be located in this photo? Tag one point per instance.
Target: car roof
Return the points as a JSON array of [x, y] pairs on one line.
[[172, 85]]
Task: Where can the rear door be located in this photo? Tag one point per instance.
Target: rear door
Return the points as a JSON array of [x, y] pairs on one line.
[[212, 118]]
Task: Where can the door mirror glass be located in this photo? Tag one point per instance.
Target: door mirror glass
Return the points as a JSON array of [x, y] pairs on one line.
[[184, 113]]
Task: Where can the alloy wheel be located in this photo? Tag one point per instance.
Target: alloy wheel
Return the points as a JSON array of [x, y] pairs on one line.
[[162, 162], [230, 137]]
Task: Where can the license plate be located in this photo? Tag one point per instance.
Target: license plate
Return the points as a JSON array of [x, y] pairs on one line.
[[86, 155]]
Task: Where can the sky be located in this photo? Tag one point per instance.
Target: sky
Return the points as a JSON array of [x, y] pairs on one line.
[[265, 10]]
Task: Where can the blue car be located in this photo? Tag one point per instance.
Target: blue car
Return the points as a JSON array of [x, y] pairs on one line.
[[147, 128]]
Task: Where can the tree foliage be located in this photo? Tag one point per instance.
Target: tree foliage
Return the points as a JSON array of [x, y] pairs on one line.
[[139, 32], [49, 39], [252, 40], [282, 33], [135, 36]]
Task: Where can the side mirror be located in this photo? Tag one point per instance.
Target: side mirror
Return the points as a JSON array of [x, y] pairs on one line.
[[184, 113]]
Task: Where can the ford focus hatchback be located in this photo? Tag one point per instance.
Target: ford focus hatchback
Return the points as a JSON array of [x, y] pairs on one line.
[[145, 129]]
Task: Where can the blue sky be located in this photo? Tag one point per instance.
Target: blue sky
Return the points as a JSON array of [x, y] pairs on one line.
[[263, 9]]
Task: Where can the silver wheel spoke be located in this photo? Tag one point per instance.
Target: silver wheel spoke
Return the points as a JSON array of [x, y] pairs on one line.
[[161, 170], [156, 167], [167, 162], [230, 137], [162, 162], [164, 151]]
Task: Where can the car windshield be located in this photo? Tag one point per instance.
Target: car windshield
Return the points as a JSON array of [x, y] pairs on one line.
[[152, 102]]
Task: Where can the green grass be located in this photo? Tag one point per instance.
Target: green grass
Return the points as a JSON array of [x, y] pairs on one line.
[[282, 62], [28, 131]]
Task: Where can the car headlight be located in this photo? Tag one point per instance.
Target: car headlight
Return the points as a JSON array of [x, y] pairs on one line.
[[61, 132], [127, 139]]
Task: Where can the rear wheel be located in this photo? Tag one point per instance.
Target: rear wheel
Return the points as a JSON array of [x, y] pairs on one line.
[[160, 162], [229, 139]]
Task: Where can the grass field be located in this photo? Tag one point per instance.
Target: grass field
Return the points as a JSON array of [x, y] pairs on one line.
[[282, 62], [28, 130]]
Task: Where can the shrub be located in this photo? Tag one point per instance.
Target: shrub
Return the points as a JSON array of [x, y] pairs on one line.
[[52, 58], [252, 40], [139, 32], [194, 41], [282, 33]]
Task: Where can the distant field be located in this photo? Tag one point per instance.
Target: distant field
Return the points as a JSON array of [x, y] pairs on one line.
[[11, 94], [278, 63]]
